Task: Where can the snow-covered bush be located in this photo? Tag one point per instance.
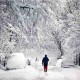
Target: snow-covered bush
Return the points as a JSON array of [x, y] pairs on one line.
[[2, 59]]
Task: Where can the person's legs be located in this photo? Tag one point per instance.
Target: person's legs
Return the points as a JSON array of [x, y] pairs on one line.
[[45, 68]]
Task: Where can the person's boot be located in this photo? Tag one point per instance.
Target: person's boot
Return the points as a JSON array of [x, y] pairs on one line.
[[46, 71]]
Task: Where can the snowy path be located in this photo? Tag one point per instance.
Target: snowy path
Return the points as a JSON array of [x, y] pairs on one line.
[[28, 73], [59, 74], [31, 73]]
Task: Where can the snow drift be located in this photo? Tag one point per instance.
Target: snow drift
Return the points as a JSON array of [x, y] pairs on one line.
[[16, 61]]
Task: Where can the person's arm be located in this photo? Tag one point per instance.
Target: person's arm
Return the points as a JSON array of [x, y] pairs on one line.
[[48, 59], [42, 61]]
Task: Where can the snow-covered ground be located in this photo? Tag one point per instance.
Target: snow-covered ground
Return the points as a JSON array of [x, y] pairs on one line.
[[36, 73]]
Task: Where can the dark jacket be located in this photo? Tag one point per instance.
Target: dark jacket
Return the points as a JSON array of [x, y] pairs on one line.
[[45, 61]]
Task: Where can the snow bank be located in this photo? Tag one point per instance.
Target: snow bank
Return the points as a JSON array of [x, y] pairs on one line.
[[59, 63], [68, 61], [16, 61]]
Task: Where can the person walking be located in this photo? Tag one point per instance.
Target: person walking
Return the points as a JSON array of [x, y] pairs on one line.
[[45, 63]]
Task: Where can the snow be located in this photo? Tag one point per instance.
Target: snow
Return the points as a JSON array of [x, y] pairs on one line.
[[59, 62], [33, 73], [39, 27], [36, 23], [16, 60], [20, 74]]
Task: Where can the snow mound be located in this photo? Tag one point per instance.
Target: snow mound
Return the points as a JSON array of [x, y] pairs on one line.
[[59, 63], [16, 61], [68, 63]]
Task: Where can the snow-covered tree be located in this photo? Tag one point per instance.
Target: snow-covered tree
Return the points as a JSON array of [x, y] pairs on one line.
[[49, 25]]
